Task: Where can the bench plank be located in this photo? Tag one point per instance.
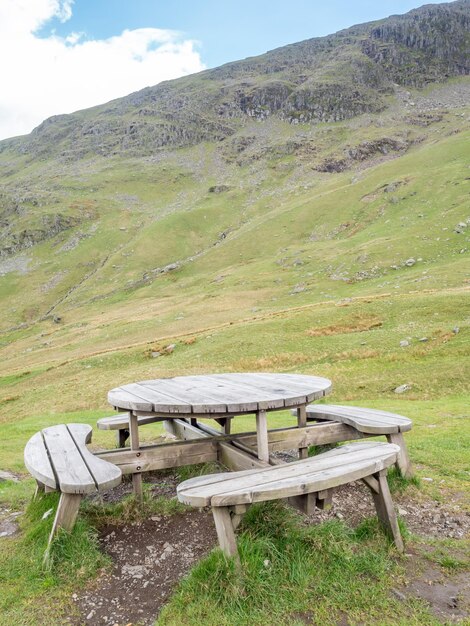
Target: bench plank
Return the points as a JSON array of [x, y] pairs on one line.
[[72, 473], [37, 461], [371, 421], [105, 474], [242, 487]]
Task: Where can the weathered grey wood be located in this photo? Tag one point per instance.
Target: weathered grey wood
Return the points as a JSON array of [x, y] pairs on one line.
[[134, 437], [370, 421], [372, 483], [386, 511], [305, 504], [66, 514], [325, 499], [324, 471], [161, 456], [121, 421], [225, 493], [225, 532], [72, 473], [262, 435], [105, 475], [403, 459], [302, 423], [229, 393], [37, 461]]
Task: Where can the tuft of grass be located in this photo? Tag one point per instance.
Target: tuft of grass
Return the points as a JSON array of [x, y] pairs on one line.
[[190, 471], [30, 590], [399, 483]]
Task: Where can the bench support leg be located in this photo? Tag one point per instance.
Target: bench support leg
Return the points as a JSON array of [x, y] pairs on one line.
[[66, 513], [385, 510], [301, 423], [225, 532], [305, 504], [134, 434], [403, 460], [262, 436]]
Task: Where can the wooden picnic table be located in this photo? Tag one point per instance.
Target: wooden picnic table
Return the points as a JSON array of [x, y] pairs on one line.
[[218, 396]]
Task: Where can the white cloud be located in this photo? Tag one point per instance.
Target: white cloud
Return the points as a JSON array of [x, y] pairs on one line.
[[41, 77]]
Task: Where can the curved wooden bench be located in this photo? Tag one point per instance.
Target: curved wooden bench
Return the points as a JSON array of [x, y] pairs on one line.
[[230, 493], [59, 460], [120, 422], [369, 422]]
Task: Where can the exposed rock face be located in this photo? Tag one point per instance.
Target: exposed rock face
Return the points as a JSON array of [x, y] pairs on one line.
[[326, 79]]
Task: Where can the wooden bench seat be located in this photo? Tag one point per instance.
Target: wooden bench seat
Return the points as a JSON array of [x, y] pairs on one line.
[[59, 460], [120, 422], [368, 422], [230, 493]]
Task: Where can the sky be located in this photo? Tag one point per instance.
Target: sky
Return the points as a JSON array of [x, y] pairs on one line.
[[59, 56]]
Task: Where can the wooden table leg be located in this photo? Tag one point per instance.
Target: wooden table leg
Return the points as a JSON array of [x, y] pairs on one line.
[[301, 423], [134, 437], [262, 435]]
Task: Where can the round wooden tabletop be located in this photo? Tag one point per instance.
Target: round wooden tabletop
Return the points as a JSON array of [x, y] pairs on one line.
[[230, 394]]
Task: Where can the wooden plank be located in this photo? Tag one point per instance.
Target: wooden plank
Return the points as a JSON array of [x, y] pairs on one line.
[[105, 474], [312, 387], [403, 459], [317, 468], [370, 421], [190, 390], [66, 513], [134, 440], [37, 461], [386, 511], [311, 482], [225, 532], [262, 436], [121, 421], [123, 398], [72, 473], [161, 456], [302, 423]]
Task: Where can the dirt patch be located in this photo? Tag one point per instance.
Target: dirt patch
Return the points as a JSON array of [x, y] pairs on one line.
[[149, 559], [354, 326], [447, 595]]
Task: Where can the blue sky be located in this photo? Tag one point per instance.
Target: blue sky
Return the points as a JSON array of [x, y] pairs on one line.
[[226, 29], [66, 55]]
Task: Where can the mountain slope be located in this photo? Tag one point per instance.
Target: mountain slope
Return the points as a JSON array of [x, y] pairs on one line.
[[317, 172]]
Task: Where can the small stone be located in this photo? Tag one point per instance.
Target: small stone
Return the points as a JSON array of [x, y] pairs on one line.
[[402, 388], [47, 513], [428, 480], [155, 354], [4, 475], [404, 343], [398, 594], [410, 262], [339, 515], [169, 349], [423, 339], [456, 330], [402, 511]]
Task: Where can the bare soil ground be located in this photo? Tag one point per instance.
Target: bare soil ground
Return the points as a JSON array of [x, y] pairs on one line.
[[151, 557]]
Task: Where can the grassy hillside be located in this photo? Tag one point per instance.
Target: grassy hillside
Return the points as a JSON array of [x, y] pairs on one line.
[[251, 235]]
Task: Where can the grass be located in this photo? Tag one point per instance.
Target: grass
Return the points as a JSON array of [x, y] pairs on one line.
[[295, 573], [291, 270], [30, 590]]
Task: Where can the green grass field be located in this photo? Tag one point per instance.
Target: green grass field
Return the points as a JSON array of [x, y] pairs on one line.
[[289, 270]]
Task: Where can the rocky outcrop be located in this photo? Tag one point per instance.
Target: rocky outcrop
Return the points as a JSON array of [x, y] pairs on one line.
[[326, 79], [51, 225]]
